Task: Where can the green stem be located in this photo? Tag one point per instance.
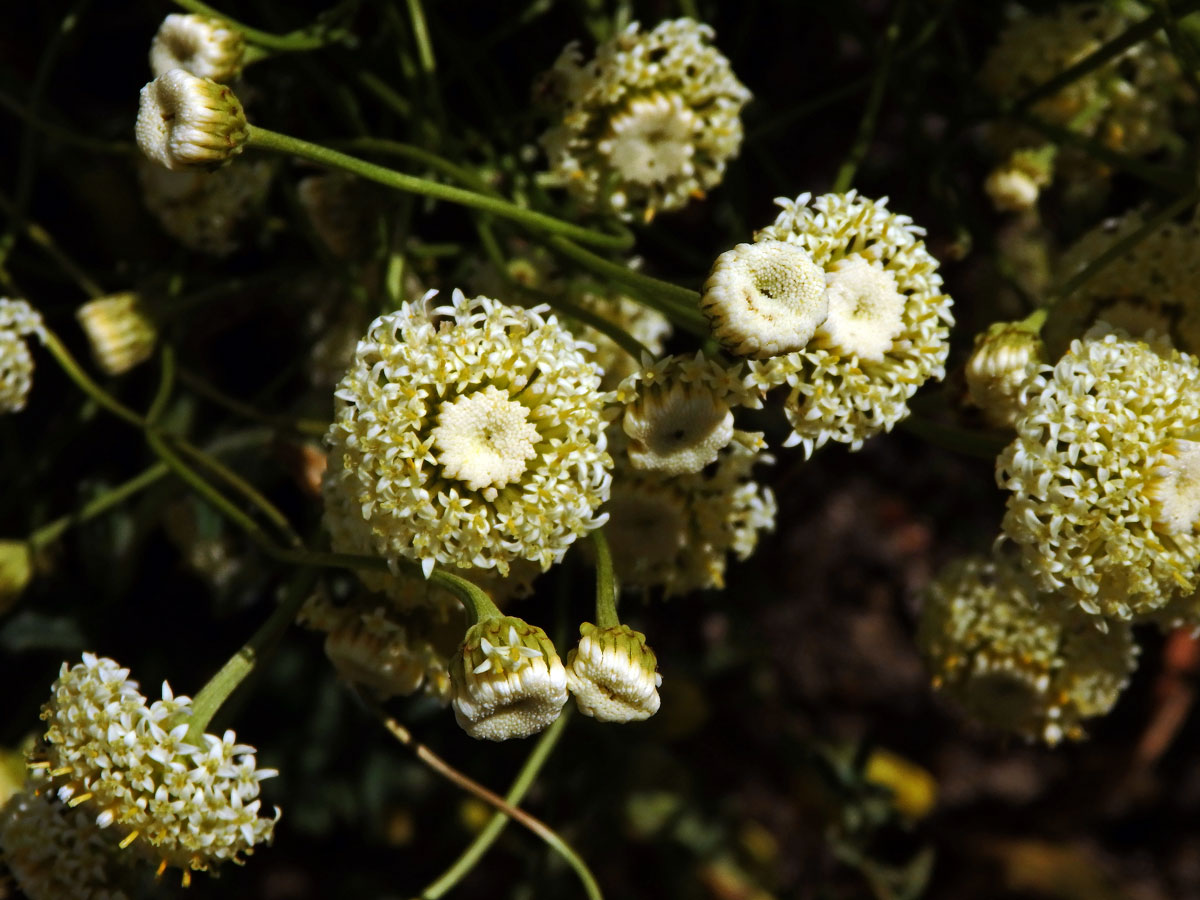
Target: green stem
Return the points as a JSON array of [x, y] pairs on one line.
[[211, 697], [866, 127], [311, 427], [459, 173], [163, 395], [64, 134], [52, 531], [479, 605], [1132, 35], [619, 336], [75, 372], [310, 38], [273, 141], [385, 92], [1123, 246], [491, 831], [606, 585], [43, 239], [678, 303]]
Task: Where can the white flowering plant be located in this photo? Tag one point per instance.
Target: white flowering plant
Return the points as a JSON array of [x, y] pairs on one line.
[[633, 449]]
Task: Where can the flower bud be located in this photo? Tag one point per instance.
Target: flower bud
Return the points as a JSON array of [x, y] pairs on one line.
[[613, 674], [120, 333], [202, 45], [188, 121], [1003, 359]]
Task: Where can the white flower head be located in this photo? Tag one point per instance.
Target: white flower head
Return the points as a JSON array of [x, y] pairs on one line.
[[678, 413], [508, 681], [469, 436], [1102, 475], [649, 123], [202, 45], [119, 332], [854, 380], [613, 674], [185, 122], [765, 299], [1004, 358], [18, 320], [190, 805], [1015, 659]]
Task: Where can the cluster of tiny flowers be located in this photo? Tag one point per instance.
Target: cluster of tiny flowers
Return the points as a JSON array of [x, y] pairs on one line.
[[472, 436], [1104, 476], [887, 325], [18, 320], [202, 45], [508, 681], [678, 412], [613, 675], [1015, 661], [1150, 291], [677, 531], [56, 852], [130, 762], [205, 211], [649, 123], [1125, 103]]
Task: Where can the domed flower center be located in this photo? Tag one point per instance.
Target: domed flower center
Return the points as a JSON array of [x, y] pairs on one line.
[[1175, 488], [484, 439], [651, 140], [866, 309]]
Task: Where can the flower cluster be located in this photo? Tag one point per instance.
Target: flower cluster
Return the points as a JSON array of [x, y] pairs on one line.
[[18, 320], [886, 327], [1015, 661], [677, 531], [649, 123], [469, 436], [1105, 478], [55, 852], [190, 805]]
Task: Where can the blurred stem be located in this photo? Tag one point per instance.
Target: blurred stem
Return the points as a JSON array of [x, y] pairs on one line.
[[606, 585], [1183, 48], [1132, 35], [64, 134], [310, 38], [479, 605], [1123, 246], [163, 394], [418, 154], [273, 141], [952, 437], [51, 531], [385, 92], [43, 239], [210, 697], [487, 835], [866, 127], [75, 372], [310, 427]]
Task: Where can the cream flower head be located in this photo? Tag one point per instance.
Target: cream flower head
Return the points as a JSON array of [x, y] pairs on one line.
[[649, 123], [508, 681], [119, 332], [469, 436], [677, 532], [678, 414], [56, 852], [202, 45], [1016, 660], [191, 806], [1103, 477], [186, 122], [1004, 358], [765, 299], [887, 327], [613, 675], [206, 211], [18, 320]]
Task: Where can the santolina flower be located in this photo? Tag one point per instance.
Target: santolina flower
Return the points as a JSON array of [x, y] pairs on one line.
[[507, 679], [677, 532], [202, 45], [613, 675], [678, 414], [1104, 480], [1014, 659], [190, 805], [649, 123], [1004, 358], [471, 436], [887, 324], [765, 299], [119, 332], [18, 320], [185, 121], [56, 852]]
